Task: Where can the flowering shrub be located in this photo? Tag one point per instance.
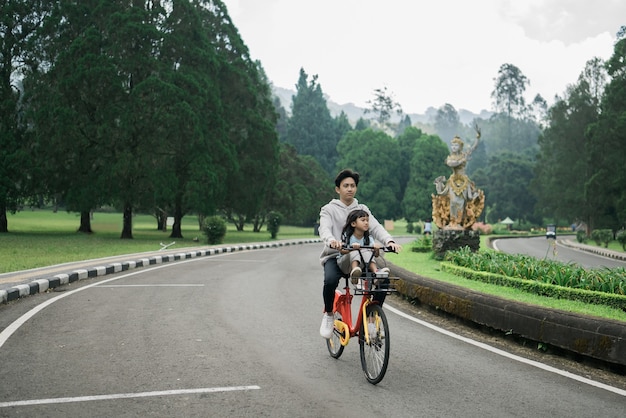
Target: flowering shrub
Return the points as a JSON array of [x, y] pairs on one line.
[[483, 228]]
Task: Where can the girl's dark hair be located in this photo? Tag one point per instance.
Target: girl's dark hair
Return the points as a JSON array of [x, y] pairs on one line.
[[348, 229]]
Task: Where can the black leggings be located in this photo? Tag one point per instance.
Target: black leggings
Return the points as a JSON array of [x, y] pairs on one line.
[[332, 275]]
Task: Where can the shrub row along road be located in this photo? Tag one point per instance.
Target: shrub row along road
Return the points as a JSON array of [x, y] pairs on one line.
[[237, 335]]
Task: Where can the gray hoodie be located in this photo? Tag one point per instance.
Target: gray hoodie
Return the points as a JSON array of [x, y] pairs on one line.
[[333, 218]]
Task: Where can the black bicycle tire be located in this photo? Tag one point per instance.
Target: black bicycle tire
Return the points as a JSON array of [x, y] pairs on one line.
[[334, 342], [375, 355]]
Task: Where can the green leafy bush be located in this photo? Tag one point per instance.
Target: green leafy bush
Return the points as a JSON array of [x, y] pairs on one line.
[[423, 244], [214, 227], [581, 236], [409, 227], [274, 219], [621, 238], [602, 236]]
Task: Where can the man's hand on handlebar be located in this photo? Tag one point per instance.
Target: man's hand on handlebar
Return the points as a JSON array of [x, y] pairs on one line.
[[396, 248], [334, 244]]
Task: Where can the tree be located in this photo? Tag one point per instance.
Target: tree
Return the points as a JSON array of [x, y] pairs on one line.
[[508, 94], [195, 158], [448, 123], [342, 126], [131, 35], [505, 182], [607, 149], [301, 187], [375, 155], [20, 21], [73, 100], [404, 124], [427, 162], [383, 106], [564, 164], [251, 125], [311, 129]]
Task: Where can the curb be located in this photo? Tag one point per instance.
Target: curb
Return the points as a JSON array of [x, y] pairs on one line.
[[595, 250], [43, 284], [597, 338]]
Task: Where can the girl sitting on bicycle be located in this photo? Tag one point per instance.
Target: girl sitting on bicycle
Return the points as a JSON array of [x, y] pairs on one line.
[[356, 234]]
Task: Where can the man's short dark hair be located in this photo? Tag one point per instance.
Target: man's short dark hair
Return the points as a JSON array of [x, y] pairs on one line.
[[344, 174]]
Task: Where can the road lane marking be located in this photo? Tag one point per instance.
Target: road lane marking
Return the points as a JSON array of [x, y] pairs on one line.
[[15, 325], [503, 353], [152, 285], [126, 396]]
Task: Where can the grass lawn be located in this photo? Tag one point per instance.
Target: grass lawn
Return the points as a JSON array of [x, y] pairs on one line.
[[42, 238]]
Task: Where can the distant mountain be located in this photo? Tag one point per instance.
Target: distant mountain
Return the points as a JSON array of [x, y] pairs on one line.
[[354, 112]]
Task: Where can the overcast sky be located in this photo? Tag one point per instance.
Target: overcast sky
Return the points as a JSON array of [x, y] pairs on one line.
[[427, 53]]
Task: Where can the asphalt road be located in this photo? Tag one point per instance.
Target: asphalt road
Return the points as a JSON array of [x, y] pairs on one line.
[[543, 248], [237, 335]]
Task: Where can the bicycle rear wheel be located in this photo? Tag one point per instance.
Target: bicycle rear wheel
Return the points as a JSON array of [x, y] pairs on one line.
[[334, 342], [375, 353]]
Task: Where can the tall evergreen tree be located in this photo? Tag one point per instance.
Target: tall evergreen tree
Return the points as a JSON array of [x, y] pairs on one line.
[[508, 95], [564, 165], [20, 21], [311, 129], [251, 119], [74, 103], [607, 144], [447, 123]]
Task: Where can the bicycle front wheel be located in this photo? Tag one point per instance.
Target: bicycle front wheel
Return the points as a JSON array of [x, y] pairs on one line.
[[335, 348], [375, 349]]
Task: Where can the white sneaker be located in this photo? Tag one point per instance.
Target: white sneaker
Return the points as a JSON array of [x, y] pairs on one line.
[[327, 327], [382, 273], [355, 274], [385, 271]]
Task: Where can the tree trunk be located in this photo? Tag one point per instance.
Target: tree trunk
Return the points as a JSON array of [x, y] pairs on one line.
[[127, 229], [178, 219], [4, 223], [85, 222], [240, 222]]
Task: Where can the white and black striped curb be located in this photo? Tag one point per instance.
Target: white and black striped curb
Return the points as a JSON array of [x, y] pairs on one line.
[[43, 284], [595, 250]]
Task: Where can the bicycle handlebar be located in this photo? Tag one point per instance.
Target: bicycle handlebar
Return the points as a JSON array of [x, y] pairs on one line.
[[369, 247]]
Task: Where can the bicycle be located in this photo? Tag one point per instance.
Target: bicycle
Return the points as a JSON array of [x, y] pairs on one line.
[[373, 337]]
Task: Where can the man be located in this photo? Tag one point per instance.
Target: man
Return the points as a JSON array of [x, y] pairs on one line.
[[332, 219]]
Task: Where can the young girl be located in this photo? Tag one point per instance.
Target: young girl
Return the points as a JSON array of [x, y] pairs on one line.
[[356, 234]]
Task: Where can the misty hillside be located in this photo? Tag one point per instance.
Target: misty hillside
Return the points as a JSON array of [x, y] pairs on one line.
[[354, 112]]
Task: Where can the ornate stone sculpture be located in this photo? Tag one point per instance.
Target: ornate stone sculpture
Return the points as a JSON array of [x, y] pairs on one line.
[[458, 203]]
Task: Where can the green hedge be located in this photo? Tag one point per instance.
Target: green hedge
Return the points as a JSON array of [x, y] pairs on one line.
[[539, 288]]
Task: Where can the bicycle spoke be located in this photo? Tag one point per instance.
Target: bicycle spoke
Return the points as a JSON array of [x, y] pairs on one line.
[[375, 353]]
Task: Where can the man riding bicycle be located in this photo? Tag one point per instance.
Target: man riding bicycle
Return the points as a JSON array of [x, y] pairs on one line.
[[333, 217]]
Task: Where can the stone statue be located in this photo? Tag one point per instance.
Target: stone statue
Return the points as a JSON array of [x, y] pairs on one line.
[[458, 203]]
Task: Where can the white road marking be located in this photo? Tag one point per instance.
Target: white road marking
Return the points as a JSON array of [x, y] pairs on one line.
[[509, 355], [15, 325], [153, 285], [126, 396]]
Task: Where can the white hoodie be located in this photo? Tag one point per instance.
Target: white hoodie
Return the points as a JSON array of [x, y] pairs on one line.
[[333, 218]]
